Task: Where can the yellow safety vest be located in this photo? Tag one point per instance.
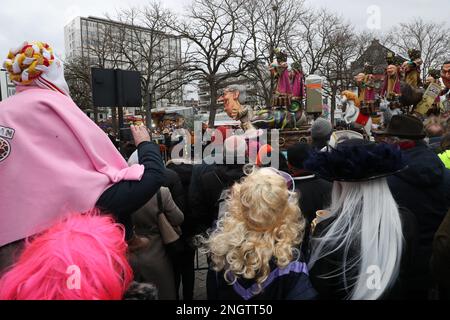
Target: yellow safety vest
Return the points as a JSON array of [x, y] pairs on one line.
[[445, 157]]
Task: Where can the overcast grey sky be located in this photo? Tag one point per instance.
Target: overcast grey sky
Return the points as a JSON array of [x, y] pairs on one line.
[[44, 20]]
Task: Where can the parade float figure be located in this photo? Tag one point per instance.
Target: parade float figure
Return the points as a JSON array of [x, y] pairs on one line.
[[298, 94], [411, 68], [276, 117], [298, 82], [432, 85], [391, 91], [233, 98], [366, 89], [279, 69], [288, 96], [445, 75], [391, 86], [352, 113]]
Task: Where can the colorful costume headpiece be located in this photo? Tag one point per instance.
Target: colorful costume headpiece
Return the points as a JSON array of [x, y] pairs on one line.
[[35, 63]]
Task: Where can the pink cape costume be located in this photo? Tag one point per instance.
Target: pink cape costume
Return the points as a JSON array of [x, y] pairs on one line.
[[298, 86], [284, 83], [53, 161]]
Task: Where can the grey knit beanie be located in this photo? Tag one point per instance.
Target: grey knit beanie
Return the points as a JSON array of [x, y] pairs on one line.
[[321, 129]]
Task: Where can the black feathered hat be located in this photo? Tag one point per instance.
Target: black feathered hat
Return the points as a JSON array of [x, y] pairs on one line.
[[356, 160]]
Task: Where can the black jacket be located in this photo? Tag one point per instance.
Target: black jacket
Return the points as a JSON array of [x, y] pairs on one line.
[[424, 188], [440, 262], [207, 183], [332, 287], [125, 197], [184, 172], [315, 194], [173, 182]]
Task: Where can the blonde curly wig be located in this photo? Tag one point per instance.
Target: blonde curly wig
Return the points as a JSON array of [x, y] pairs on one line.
[[263, 221]]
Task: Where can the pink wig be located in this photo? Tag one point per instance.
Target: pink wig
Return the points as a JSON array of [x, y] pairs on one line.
[[80, 258]]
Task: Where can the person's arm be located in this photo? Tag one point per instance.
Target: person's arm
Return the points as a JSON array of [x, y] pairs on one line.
[[126, 197], [173, 213]]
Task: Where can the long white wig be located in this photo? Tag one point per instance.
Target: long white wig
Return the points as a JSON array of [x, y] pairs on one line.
[[367, 228]]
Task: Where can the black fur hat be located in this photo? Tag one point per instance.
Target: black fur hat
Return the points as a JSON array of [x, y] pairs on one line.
[[356, 160]]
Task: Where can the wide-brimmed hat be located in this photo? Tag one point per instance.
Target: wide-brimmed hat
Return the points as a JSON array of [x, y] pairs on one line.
[[404, 126], [356, 160]]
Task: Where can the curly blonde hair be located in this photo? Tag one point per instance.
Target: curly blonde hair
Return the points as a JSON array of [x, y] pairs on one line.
[[263, 221]]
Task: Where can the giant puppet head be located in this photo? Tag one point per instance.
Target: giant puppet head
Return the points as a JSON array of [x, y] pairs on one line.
[[280, 54], [415, 60], [359, 77], [392, 70], [445, 74], [233, 98]]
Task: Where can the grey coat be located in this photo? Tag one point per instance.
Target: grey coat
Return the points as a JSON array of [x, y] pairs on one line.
[[152, 264]]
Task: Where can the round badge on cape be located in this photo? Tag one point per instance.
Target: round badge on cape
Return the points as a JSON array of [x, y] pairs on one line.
[[5, 149]]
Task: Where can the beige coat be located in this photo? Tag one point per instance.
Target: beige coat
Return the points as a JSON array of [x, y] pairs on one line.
[[152, 264]]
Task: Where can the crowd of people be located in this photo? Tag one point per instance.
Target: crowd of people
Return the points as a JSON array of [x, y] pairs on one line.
[[341, 217]]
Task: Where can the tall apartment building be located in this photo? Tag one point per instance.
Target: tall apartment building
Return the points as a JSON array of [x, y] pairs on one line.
[[83, 39]]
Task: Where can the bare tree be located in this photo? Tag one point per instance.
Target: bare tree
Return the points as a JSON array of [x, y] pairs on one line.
[[78, 78], [335, 66], [149, 48], [216, 43], [98, 51], [432, 39], [312, 44], [270, 24]]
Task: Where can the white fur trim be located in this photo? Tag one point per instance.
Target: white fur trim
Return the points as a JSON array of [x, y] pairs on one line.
[[42, 68], [46, 54], [28, 61], [36, 48], [25, 76], [16, 67]]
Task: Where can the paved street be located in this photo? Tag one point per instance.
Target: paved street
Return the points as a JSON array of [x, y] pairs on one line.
[[200, 279]]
